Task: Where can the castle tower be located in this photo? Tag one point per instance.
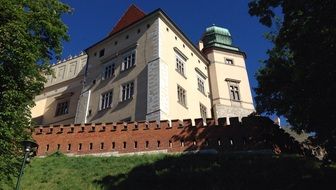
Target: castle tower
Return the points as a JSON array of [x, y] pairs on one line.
[[230, 87]]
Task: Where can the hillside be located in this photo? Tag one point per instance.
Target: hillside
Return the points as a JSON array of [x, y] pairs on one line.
[[223, 171]]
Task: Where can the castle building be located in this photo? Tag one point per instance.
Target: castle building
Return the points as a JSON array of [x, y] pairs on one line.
[[58, 101], [148, 69]]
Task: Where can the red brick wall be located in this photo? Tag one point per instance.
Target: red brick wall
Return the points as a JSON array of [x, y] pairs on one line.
[[174, 136]]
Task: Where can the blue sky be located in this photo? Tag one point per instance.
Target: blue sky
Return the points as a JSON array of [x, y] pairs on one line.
[[93, 20]]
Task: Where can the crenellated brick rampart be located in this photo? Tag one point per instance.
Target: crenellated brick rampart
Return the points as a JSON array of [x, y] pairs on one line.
[[164, 136]]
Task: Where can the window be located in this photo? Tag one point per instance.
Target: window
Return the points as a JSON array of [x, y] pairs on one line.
[[233, 85], [90, 146], [200, 84], [108, 71], [228, 61], [106, 100], [182, 143], [129, 61], [101, 53], [181, 96], [101, 146], [69, 147], [127, 91], [113, 145], [80, 146], [234, 92], [62, 108], [180, 66], [203, 111]]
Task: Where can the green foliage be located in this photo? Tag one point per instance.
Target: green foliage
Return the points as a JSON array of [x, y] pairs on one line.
[[298, 78], [31, 32], [195, 171]]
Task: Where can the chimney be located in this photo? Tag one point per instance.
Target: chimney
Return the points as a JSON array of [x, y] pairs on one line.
[[277, 121], [200, 45]]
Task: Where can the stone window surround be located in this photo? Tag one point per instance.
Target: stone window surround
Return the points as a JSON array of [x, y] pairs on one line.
[[201, 84], [183, 98], [62, 107], [180, 60], [234, 83], [108, 71], [203, 111], [131, 60], [106, 97], [131, 90]]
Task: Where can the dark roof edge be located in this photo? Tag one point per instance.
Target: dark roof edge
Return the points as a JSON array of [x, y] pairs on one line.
[[227, 50]]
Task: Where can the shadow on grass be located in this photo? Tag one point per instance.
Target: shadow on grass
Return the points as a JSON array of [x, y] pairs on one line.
[[225, 171]]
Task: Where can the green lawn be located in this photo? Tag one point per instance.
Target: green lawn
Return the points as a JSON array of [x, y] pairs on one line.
[[222, 171]]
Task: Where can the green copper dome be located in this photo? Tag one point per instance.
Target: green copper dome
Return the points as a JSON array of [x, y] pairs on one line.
[[215, 36]]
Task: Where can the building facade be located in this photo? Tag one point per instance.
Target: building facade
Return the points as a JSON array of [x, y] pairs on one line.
[[58, 101], [147, 69]]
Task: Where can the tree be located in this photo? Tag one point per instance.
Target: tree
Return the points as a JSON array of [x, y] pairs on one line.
[[31, 34], [298, 78]]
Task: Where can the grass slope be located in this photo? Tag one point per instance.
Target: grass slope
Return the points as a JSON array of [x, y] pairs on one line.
[[225, 171]]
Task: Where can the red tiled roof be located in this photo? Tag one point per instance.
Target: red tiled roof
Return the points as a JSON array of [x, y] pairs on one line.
[[132, 15]]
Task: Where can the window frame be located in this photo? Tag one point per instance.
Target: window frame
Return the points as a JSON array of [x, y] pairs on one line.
[[236, 89], [234, 92], [180, 65], [181, 97], [106, 100], [129, 92], [201, 83], [108, 71], [61, 109], [128, 60], [205, 113], [228, 61], [101, 52]]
